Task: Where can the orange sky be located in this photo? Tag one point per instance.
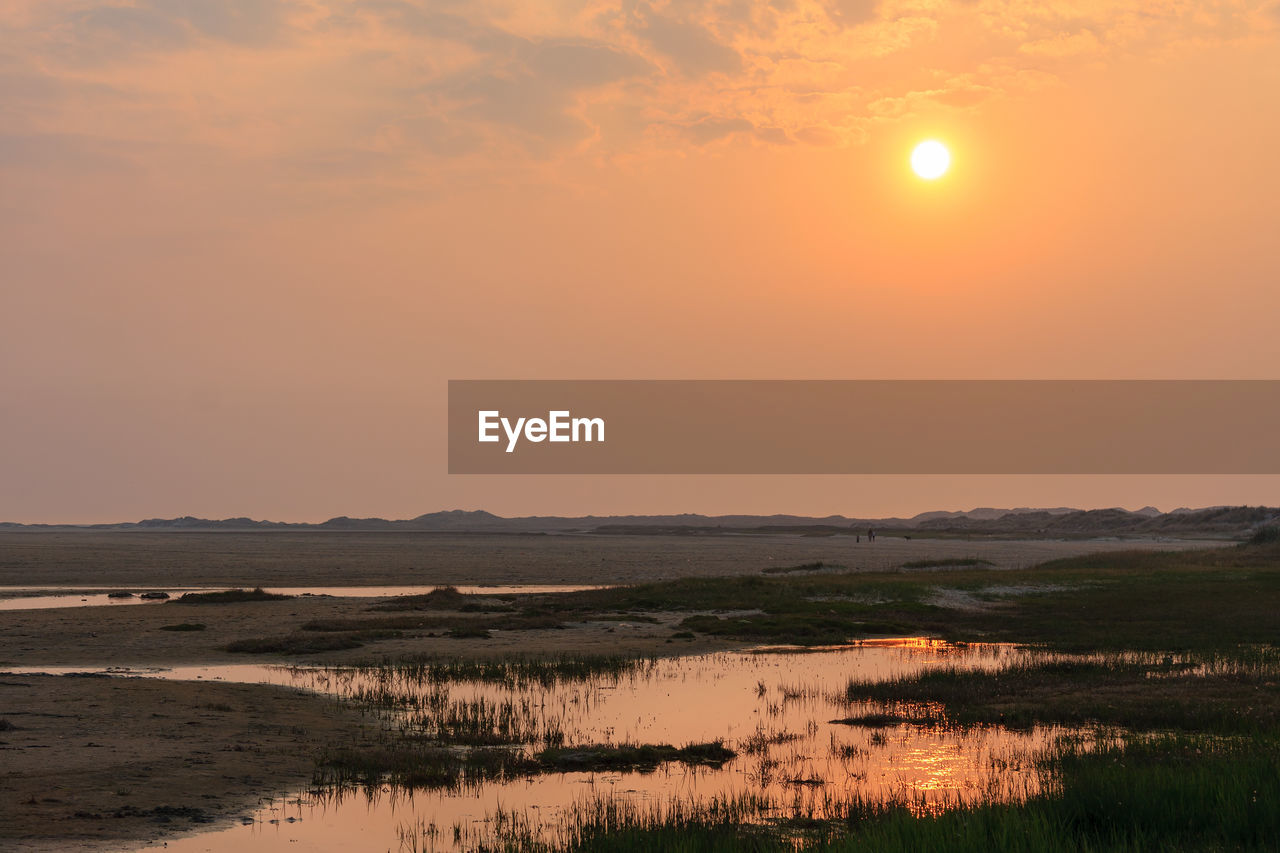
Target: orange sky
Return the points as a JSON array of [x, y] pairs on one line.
[[244, 244]]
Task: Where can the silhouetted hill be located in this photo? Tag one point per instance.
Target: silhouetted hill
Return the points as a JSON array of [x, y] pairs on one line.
[[1057, 522], [1215, 521]]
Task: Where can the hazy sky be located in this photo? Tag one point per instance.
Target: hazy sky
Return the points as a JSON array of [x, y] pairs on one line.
[[244, 244]]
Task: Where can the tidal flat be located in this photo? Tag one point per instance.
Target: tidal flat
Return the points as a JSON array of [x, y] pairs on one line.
[[807, 703]]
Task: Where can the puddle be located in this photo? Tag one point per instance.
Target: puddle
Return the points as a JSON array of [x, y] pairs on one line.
[[777, 708], [24, 601], [48, 597]]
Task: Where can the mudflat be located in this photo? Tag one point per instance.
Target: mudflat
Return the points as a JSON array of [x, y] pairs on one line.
[[105, 763], [287, 558], [137, 635], [141, 636]]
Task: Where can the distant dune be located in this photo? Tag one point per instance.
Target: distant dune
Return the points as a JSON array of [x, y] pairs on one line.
[[1067, 522]]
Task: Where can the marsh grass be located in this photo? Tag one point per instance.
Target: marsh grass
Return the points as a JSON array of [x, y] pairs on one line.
[[1169, 658], [880, 720], [1206, 692], [803, 567], [479, 744], [800, 629], [444, 598], [406, 766], [510, 672], [642, 757], [1198, 599], [184, 626], [302, 644], [1132, 642], [947, 562], [340, 634], [229, 596], [1143, 793]]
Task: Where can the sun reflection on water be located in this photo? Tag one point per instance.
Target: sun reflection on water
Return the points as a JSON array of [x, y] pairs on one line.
[[802, 748]]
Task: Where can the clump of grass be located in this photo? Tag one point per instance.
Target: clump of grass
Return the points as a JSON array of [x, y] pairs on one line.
[[759, 743], [797, 629], [684, 635], [601, 757], [510, 672], [230, 596], [803, 567], [301, 644], [945, 562], [875, 721], [444, 598], [482, 722], [409, 766], [184, 626]]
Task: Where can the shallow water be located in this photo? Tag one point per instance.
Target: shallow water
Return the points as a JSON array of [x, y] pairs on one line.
[[49, 597], [776, 708]]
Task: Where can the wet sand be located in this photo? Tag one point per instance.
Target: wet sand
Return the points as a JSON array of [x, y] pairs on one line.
[[114, 763]]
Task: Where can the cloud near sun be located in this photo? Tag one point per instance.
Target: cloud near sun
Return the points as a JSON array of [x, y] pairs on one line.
[[338, 88]]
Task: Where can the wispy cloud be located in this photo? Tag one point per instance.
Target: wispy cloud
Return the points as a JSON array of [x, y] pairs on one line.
[[336, 80]]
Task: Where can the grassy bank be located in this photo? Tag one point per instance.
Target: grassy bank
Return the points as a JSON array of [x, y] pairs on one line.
[[1212, 599], [1186, 600]]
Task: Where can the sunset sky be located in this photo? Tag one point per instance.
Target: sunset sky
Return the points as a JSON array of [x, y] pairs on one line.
[[244, 244]]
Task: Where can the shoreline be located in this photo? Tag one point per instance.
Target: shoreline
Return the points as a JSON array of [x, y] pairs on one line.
[[116, 763]]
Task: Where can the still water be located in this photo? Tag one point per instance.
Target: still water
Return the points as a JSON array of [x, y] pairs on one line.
[[46, 598]]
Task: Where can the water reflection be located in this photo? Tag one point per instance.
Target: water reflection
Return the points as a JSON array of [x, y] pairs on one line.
[[780, 710], [50, 597]]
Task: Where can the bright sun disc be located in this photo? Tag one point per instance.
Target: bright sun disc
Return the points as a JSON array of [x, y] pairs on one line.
[[930, 159]]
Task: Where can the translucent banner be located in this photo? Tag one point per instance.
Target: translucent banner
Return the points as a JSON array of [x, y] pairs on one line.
[[864, 427]]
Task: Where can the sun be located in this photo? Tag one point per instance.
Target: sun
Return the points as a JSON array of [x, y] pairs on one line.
[[930, 159]]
